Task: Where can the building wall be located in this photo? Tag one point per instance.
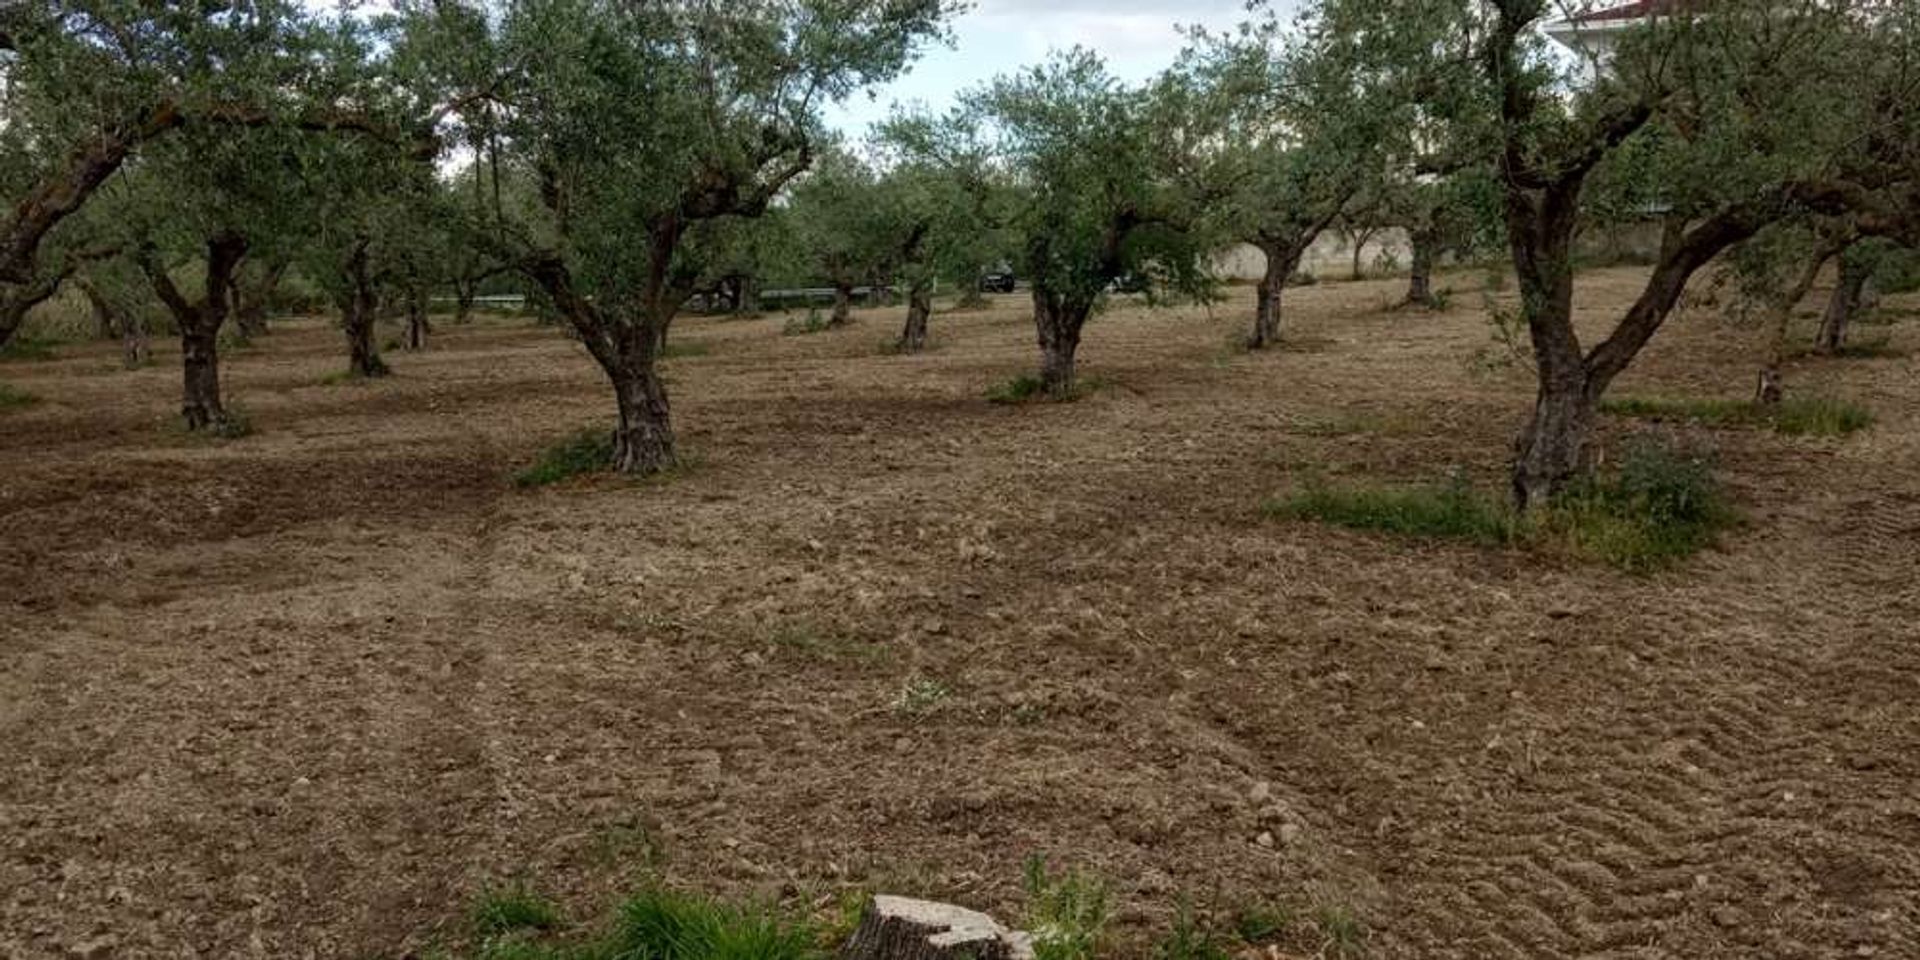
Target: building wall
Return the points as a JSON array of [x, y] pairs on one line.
[[1330, 256]]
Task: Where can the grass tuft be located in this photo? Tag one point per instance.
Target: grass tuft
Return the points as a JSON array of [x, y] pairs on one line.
[[1451, 511], [1658, 505], [14, 398], [1804, 416], [355, 377], [1342, 932], [1027, 388], [813, 321], [1189, 939], [23, 347], [686, 348], [1258, 924], [510, 910], [921, 694], [1066, 913], [661, 924], [1020, 389], [588, 451], [1819, 417]]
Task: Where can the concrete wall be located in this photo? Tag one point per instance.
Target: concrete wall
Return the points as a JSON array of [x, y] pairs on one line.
[[1329, 257]]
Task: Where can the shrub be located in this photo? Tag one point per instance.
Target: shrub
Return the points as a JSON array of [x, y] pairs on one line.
[[1067, 914], [588, 451], [1449, 510], [13, 398], [1659, 505]]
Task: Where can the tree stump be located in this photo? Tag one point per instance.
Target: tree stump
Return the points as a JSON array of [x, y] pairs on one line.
[[897, 928]]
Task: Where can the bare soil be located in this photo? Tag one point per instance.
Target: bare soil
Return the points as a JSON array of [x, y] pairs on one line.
[[301, 694]]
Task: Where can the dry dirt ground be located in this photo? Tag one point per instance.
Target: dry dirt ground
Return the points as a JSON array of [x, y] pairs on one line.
[[302, 694]]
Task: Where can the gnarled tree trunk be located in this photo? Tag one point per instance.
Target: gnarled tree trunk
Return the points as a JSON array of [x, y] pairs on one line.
[[250, 301], [359, 308], [643, 438], [1058, 320], [1282, 260], [464, 292], [200, 324], [842, 305], [1843, 306], [419, 326], [135, 351], [913, 338], [1771, 388], [106, 317], [1425, 244]]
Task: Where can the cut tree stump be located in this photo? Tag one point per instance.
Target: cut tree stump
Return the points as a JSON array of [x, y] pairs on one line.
[[898, 928]]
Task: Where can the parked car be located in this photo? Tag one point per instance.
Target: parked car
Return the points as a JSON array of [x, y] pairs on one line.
[[999, 281]]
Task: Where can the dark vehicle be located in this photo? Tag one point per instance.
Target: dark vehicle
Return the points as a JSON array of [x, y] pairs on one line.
[[999, 281]]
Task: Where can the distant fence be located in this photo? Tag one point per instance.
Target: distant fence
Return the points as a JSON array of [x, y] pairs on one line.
[[781, 299]]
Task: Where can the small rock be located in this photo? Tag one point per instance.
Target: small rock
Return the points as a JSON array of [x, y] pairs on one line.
[[1261, 792], [1289, 834], [1265, 839]]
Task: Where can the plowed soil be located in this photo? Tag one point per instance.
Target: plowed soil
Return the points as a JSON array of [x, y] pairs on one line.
[[303, 693]]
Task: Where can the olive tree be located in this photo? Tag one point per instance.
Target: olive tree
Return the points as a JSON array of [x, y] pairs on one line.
[[836, 220], [639, 122], [1744, 113], [1305, 121], [1096, 192]]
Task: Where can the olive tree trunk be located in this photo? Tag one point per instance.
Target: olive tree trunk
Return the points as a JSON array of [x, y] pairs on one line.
[[200, 325], [1425, 246], [106, 316], [250, 301], [842, 305], [913, 338], [359, 309], [1843, 306], [463, 296], [1771, 388], [625, 340], [1058, 320], [1282, 260], [643, 437], [419, 325]]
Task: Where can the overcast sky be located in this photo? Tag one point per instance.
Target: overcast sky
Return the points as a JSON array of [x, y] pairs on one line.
[[1137, 37]]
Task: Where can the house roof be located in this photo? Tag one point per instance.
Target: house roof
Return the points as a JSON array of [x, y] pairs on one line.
[[1634, 10]]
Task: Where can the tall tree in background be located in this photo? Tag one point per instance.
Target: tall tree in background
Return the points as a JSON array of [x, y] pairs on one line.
[[640, 121]]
